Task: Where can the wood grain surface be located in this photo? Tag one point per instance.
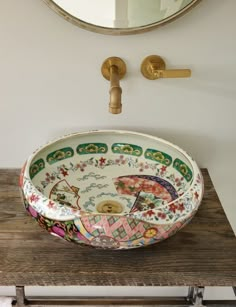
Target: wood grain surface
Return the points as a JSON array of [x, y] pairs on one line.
[[201, 254]]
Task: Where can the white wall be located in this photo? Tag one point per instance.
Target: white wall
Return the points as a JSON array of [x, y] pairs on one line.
[[50, 84]]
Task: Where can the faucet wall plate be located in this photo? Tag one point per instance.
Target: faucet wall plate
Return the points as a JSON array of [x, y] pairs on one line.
[[149, 62], [153, 67], [113, 61]]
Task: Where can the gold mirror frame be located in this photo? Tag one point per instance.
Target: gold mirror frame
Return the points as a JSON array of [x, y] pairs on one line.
[[117, 31]]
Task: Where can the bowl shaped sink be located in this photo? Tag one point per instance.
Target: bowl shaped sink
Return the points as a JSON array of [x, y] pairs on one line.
[[111, 189]]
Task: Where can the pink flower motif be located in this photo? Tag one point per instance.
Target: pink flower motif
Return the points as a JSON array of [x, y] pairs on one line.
[[196, 195], [60, 232], [163, 168], [51, 204], [177, 181], [181, 207], [149, 213], [199, 178], [64, 172], [161, 215], [81, 166], [173, 208], [34, 198], [32, 211], [121, 160]]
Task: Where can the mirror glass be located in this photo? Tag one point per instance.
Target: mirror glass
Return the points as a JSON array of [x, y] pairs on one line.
[[120, 15]]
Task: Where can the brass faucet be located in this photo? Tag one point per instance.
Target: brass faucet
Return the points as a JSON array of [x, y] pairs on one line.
[[154, 67], [114, 69]]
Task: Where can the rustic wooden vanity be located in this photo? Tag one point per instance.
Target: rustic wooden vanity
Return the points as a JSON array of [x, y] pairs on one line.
[[201, 254]]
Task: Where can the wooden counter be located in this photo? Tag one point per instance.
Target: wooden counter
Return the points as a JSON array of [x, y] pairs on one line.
[[201, 254]]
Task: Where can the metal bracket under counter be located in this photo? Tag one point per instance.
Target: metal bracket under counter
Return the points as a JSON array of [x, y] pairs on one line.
[[194, 298]]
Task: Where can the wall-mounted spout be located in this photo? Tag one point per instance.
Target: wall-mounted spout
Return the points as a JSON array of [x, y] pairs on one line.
[[115, 105], [114, 69]]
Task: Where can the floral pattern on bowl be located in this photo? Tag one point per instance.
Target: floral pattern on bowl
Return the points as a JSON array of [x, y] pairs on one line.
[[111, 189]]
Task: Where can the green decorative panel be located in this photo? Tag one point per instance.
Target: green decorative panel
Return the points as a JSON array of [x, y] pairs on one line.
[[128, 149], [183, 169], [60, 154], [158, 156], [36, 168], [91, 148]]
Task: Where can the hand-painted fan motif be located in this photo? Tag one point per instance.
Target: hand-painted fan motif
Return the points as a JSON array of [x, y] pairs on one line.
[[65, 194], [151, 191]]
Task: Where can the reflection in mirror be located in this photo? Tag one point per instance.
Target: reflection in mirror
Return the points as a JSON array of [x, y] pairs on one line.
[[121, 14]]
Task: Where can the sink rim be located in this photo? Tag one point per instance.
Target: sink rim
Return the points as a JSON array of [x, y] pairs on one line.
[[25, 173]]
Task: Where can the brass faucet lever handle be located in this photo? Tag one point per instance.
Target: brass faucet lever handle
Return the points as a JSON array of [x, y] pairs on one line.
[[153, 67], [173, 73]]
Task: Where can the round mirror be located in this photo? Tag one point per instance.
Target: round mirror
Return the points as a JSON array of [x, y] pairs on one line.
[[120, 16]]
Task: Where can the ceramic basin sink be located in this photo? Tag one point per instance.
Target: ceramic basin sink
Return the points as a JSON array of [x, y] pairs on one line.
[[111, 189]]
